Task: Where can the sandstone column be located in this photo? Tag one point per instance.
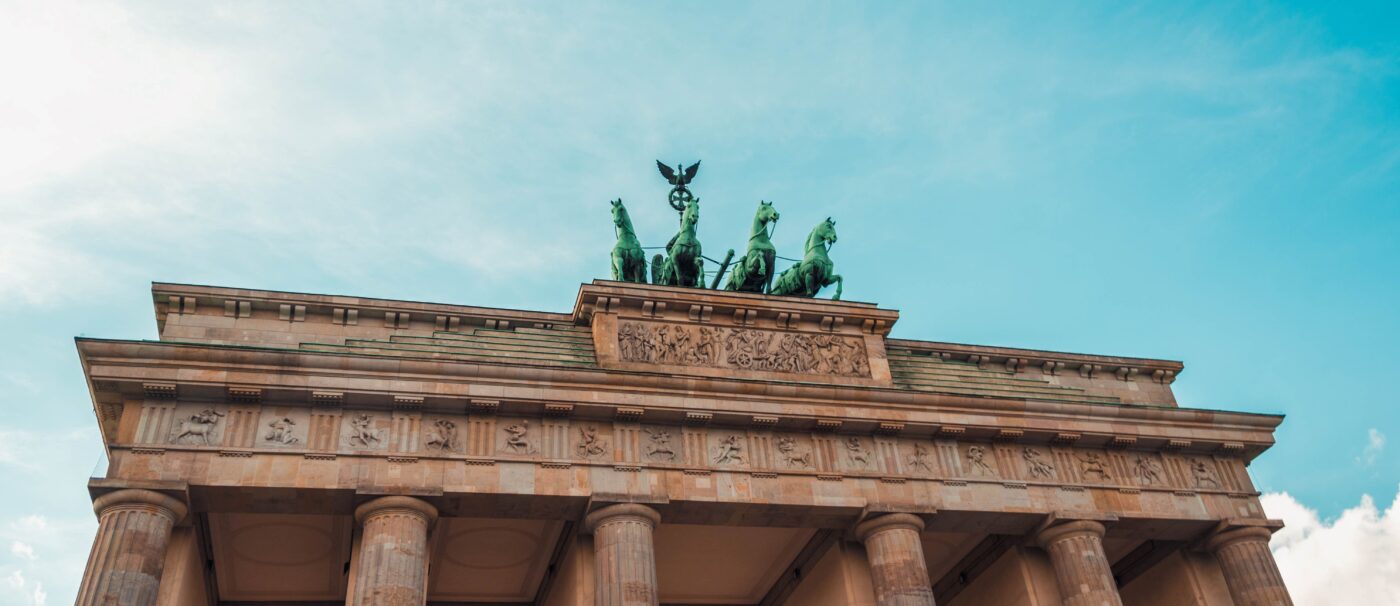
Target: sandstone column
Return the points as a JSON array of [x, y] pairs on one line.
[[1082, 569], [624, 558], [133, 531], [393, 563], [896, 559], [1249, 568]]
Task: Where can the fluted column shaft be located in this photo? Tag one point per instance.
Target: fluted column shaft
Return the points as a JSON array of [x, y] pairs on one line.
[[1249, 567], [624, 556], [393, 559], [1081, 567], [128, 553], [896, 557]]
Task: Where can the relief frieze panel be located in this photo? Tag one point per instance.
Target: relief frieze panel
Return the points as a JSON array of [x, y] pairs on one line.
[[561, 440], [196, 425], [364, 431], [742, 349]]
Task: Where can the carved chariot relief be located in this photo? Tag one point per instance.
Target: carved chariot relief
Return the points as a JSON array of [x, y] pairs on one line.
[[792, 455], [658, 446], [742, 349], [1036, 465], [202, 428]]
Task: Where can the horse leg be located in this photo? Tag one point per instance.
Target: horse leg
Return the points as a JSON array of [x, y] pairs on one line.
[[617, 269], [837, 279]]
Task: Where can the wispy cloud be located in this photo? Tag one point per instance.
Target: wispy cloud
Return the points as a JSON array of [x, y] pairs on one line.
[[1375, 443]]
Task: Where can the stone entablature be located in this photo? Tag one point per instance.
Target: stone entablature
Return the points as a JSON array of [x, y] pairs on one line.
[[761, 446]]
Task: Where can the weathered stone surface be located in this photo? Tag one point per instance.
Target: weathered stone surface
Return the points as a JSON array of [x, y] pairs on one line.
[[1081, 567], [393, 560], [896, 560], [128, 555], [624, 554], [1249, 568]]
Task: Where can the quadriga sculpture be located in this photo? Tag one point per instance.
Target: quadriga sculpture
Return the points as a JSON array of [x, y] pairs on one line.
[[805, 279], [682, 265], [629, 263], [754, 272]]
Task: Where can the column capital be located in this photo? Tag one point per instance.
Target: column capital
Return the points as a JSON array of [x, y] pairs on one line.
[[622, 512], [142, 500], [1068, 530], [889, 521], [1228, 537], [411, 506]]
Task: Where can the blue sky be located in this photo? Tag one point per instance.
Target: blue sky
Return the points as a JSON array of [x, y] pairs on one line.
[[1217, 183]]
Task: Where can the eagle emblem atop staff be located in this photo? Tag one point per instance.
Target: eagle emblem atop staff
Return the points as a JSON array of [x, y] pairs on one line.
[[679, 178]]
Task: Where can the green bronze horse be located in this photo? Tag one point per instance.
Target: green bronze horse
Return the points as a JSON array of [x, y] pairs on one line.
[[682, 265], [754, 272], [815, 271], [629, 263]]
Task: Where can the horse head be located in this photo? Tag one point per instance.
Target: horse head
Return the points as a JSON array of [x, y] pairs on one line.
[[824, 234], [691, 215], [766, 213], [619, 213]]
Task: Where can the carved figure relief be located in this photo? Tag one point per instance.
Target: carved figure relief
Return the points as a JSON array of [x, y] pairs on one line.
[[659, 444], [977, 461], [280, 431], [919, 459], [1037, 466], [363, 433], [744, 349], [856, 454], [515, 437], [787, 449], [1094, 464], [442, 435], [1203, 475], [729, 451], [199, 426], [589, 445], [1148, 471]]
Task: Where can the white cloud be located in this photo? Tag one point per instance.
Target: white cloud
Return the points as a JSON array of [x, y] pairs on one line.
[[1375, 443], [23, 550], [15, 580], [40, 596], [1354, 559]]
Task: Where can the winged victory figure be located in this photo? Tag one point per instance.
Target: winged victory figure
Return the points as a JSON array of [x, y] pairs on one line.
[[679, 178]]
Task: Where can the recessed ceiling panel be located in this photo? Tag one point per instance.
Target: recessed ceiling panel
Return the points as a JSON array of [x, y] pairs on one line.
[[490, 559], [280, 557], [723, 564]]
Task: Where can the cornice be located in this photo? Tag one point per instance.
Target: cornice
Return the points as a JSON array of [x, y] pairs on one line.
[[1052, 362], [167, 295], [112, 366]]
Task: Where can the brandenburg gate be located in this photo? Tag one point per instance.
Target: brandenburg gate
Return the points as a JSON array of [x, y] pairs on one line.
[[654, 445]]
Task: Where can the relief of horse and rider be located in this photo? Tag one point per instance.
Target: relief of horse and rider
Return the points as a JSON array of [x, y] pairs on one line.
[[683, 262]]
